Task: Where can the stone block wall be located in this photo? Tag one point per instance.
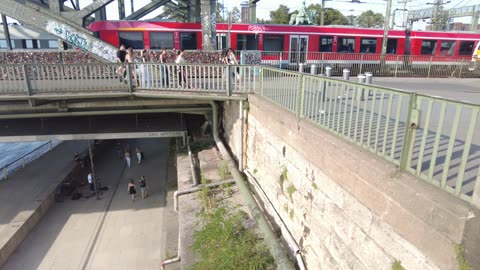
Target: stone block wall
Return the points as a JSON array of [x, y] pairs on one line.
[[347, 208]]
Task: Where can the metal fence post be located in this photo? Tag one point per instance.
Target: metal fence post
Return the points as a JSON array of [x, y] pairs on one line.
[[323, 60], [280, 61], [229, 80], [262, 70], [129, 78], [407, 137], [396, 65], [361, 64], [430, 67], [461, 69], [300, 95], [26, 78]]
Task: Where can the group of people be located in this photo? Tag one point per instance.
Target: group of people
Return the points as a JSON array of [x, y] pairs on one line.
[[143, 187], [127, 154], [142, 75]]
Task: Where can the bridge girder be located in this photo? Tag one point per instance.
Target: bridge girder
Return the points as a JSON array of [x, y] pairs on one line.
[[147, 9]]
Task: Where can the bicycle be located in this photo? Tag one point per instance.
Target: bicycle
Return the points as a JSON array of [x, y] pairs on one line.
[[65, 188]]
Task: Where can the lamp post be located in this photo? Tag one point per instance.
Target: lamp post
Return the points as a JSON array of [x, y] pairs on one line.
[[385, 33], [93, 170]]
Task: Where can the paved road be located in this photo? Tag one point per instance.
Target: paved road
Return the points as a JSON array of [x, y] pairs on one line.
[[111, 233]]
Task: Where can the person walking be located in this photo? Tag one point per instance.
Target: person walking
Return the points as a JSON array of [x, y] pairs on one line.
[[143, 187], [145, 77], [127, 158], [121, 54], [118, 148], [90, 181], [181, 72], [130, 58], [131, 189], [139, 151], [164, 68]]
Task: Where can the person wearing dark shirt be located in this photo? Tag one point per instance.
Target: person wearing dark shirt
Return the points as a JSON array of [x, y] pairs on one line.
[[121, 54]]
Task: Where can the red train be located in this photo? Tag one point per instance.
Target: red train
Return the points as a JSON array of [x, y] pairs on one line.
[[294, 40]]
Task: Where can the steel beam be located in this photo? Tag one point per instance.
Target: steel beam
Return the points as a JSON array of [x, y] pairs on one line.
[[146, 9], [7, 32], [78, 17], [59, 27]]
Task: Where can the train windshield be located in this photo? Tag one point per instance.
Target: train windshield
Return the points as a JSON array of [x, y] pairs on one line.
[[476, 53]]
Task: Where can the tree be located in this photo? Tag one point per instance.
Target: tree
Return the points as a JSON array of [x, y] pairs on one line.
[[234, 15], [281, 15], [369, 19], [318, 12], [219, 10], [262, 21], [334, 17]]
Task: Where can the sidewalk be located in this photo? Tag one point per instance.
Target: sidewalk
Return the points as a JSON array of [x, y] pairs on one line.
[[27, 195], [111, 233]]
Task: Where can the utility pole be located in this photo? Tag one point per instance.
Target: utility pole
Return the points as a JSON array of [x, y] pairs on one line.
[[385, 31], [322, 13]]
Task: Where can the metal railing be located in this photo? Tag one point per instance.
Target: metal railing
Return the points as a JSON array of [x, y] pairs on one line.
[[46, 79], [392, 65], [13, 166], [433, 138], [358, 63]]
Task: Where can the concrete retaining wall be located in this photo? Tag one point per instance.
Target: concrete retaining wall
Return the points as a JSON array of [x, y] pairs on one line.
[[347, 208]]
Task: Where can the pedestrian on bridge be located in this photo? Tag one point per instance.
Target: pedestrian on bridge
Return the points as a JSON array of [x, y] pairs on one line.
[[143, 187], [127, 158], [163, 68], [139, 152], [90, 181], [131, 189], [130, 58], [145, 75], [121, 54]]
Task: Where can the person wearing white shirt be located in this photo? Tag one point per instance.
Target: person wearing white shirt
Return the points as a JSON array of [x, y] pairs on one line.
[[90, 181]]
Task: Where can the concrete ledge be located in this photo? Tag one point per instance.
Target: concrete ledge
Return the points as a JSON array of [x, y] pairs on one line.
[[428, 217], [23, 223]]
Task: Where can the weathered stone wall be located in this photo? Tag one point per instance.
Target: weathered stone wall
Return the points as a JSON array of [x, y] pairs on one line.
[[347, 208]]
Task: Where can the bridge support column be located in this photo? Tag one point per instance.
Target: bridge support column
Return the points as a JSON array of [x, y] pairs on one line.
[[7, 32], [208, 24], [121, 9], [253, 12]]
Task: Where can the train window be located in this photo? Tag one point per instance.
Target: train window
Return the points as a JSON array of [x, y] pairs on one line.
[[368, 45], [131, 39], [53, 44], [466, 48], [188, 41], [161, 40], [429, 46], [32, 44], [447, 47], [3, 44], [392, 46], [346, 44], [326, 44], [247, 42], [221, 41], [273, 43]]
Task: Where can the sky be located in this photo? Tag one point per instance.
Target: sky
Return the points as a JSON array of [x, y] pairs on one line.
[[347, 8]]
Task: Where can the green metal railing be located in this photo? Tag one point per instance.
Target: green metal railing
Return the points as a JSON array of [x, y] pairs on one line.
[[433, 138]]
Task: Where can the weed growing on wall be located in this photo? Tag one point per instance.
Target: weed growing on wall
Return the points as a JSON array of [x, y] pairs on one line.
[[204, 195], [224, 243], [314, 186], [290, 190], [223, 170], [462, 262], [397, 265], [292, 214]]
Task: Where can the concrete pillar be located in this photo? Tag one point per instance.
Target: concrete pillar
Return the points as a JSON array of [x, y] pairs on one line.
[[346, 74], [253, 12], [101, 14], [208, 25], [314, 69], [361, 79], [328, 71], [121, 9], [301, 67], [368, 77]]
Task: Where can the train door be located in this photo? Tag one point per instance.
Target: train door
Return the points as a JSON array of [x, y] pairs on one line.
[[298, 49]]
